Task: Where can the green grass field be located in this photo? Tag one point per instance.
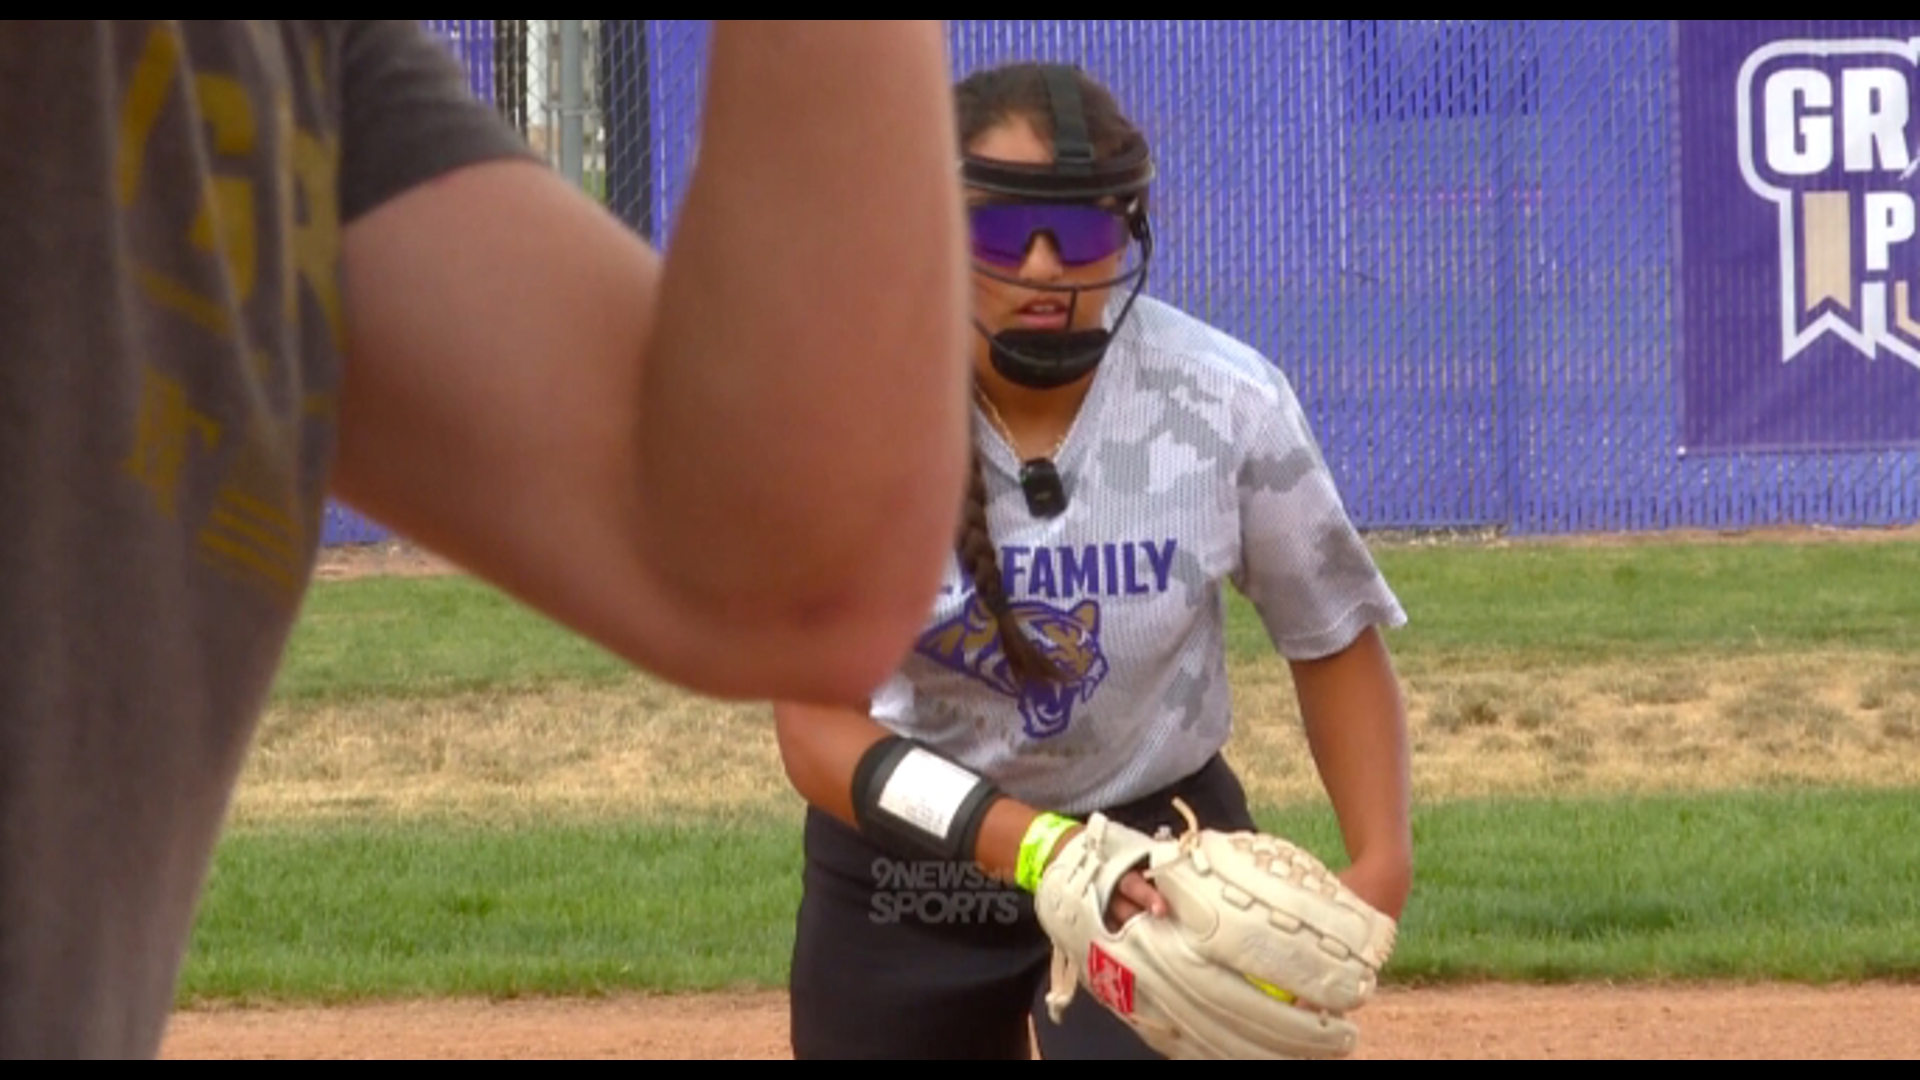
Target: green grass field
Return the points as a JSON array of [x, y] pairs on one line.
[[1650, 761]]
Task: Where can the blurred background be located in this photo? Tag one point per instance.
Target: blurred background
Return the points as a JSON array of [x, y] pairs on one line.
[[1515, 270]]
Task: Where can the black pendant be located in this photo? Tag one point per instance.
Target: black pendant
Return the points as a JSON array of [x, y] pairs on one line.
[[1040, 482]]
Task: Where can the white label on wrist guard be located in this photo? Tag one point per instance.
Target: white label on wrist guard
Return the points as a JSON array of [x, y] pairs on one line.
[[926, 792]]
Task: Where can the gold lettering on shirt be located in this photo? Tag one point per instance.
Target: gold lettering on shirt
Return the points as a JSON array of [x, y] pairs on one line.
[[166, 433], [225, 224], [316, 241], [229, 421]]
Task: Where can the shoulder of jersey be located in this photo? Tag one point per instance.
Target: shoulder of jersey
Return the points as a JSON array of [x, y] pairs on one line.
[[1158, 332]]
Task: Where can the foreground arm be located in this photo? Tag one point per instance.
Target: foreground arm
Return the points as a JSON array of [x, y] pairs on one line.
[[1356, 727], [739, 468]]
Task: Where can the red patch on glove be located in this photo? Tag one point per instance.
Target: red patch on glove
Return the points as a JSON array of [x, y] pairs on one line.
[[1112, 982]]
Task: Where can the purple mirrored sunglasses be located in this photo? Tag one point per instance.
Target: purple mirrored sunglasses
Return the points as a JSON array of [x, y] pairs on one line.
[[1082, 233]]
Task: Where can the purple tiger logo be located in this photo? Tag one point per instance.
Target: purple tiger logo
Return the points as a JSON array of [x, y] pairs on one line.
[[969, 643]]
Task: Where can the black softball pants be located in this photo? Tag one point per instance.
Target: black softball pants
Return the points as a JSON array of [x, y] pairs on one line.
[[897, 957]]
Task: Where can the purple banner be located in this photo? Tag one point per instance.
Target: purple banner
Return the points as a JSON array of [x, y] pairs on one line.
[[1800, 258]]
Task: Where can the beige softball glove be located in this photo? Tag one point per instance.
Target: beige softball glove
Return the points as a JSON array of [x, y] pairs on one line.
[[1264, 953]]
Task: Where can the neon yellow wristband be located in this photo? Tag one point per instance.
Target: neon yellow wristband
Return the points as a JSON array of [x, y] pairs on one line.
[[1043, 835]]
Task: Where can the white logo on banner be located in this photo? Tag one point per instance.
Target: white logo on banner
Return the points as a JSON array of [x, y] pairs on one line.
[[1827, 134]]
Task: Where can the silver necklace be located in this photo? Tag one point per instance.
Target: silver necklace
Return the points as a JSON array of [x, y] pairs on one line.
[[1040, 481]]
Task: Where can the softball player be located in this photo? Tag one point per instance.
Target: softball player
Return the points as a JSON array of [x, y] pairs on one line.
[[1129, 459]]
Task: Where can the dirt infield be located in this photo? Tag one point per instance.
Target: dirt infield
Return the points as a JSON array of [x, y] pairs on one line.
[[1470, 1023]]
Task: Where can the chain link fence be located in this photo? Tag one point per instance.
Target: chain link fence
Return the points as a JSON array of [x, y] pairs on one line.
[[1460, 238], [548, 78]]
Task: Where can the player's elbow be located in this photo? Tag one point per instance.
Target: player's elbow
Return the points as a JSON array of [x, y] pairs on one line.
[[820, 651], [847, 649], [852, 633], [830, 635]]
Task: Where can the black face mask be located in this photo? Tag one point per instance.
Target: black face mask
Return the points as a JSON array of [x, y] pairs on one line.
[[1044, 360], [1049, 359], [1040, 360]]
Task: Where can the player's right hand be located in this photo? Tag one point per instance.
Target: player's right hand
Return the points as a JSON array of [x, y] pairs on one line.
[[1133, 896]]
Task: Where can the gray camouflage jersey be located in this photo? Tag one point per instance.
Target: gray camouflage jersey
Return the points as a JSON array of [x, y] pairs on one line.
[[1190, 465], [172, 196]]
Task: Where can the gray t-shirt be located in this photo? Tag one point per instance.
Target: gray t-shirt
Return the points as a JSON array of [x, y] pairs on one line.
[[171, 202], [1190, 466]]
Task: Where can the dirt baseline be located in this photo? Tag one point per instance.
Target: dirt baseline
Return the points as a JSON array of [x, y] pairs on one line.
[[1876, 1022]]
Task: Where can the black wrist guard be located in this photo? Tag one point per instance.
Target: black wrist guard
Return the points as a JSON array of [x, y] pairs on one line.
[[908, 797]]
